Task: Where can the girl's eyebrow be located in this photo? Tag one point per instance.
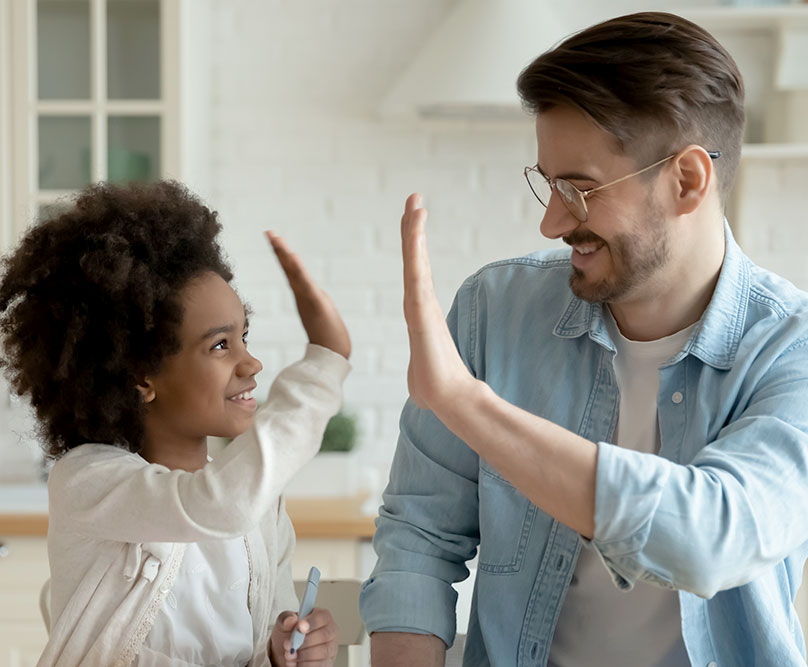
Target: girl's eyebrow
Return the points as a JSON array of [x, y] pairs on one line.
[[215, 331], [227, 328]]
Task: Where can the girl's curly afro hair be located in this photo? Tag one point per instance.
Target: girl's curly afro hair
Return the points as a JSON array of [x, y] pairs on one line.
[[89, 306]]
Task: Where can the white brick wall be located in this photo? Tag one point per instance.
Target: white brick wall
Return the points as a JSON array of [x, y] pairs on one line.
[[297, 146], [770, 222]]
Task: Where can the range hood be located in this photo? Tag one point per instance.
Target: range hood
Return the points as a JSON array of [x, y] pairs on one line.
[[469, 65]]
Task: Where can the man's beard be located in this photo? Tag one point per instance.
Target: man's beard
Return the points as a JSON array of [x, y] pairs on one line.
[[636, 256]]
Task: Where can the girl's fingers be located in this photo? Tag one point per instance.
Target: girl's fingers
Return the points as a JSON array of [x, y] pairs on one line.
[[320, 636], [296, 272], [322, 654], [288, 623], [318, 618]]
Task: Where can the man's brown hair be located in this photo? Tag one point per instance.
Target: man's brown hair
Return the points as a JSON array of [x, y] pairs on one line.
[[655, 81]]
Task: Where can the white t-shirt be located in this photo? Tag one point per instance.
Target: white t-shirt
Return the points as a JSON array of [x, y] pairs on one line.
[[600, 624], [205, 619]]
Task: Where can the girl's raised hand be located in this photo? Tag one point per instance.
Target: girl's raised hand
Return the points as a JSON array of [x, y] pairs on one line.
[[319, 316], [319, 647]]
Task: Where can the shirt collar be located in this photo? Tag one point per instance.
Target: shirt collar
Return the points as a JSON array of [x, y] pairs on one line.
[[714, 341]]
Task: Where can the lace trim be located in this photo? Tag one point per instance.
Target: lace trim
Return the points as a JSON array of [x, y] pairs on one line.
[[250, 567], [139, 636]]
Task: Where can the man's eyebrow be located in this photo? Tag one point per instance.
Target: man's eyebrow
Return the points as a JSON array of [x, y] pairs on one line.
[[227, 328], [569, 176]]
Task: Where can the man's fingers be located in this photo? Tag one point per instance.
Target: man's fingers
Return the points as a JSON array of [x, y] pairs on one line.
[[413, 243], [413, 202], [419, 290]]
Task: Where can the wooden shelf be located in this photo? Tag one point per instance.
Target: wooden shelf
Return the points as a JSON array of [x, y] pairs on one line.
[[313, 518], [795, 151], [747, 18]]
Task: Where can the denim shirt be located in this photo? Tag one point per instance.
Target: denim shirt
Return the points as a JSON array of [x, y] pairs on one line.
[[720, 514]]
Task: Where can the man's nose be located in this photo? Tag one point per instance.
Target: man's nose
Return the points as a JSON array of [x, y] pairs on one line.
[[557, 220]]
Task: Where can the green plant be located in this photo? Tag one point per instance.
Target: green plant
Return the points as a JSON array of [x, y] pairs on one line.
[[340, 433]]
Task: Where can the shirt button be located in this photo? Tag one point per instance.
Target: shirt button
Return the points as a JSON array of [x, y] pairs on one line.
[[713, 663], [678, 398]]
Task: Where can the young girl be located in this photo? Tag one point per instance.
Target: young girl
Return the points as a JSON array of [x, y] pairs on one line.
[[119, 323]]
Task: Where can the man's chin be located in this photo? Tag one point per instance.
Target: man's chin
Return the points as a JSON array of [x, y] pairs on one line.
[[593, 292]]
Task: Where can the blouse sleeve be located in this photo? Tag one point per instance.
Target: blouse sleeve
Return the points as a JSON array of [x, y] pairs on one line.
[[104, 492]]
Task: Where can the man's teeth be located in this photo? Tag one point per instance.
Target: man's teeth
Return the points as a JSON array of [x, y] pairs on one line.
[[242, 397], [586, 249]]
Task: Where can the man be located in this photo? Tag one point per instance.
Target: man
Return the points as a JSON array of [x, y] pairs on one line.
[[622, 430]]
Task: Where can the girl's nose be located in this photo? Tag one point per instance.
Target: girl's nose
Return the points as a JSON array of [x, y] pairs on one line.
[[250, 365]]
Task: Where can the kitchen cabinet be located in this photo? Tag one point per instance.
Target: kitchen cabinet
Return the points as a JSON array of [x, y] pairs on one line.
[[96, 90], [770, 45], [23, 569]]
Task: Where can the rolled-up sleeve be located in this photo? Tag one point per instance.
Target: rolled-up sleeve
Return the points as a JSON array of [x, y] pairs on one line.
[[426, 531], [736, 509]]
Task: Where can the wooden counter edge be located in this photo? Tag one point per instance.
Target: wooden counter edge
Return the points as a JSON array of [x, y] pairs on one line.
[[27, 525], [313, 518], [330, 518]]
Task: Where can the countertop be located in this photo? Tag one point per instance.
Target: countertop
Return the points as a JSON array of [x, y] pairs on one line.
[[313, 518]]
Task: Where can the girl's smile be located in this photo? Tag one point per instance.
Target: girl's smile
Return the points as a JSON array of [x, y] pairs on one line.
[[206, 388]]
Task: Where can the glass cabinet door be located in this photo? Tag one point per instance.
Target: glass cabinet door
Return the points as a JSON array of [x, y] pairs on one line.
[[134, 149], [63, 49], [99, 114], [64, 152], [133, 49]]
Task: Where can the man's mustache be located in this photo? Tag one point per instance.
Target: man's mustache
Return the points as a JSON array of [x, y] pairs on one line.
[[581, 237]]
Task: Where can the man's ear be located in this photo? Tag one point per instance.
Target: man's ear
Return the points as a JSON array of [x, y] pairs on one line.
[[146, 389], [693, 169]]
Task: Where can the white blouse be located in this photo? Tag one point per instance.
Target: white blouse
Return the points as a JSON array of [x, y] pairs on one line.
[[205, 619]]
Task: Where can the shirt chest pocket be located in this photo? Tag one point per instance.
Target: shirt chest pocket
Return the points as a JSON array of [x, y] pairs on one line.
[[506, 519]]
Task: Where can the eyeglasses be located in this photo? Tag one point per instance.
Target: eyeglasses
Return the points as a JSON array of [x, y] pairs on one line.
[[573, 198]]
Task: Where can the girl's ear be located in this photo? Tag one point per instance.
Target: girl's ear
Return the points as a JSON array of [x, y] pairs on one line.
[[146, 389]]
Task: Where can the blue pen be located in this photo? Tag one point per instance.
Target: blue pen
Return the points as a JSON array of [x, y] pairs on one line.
[[306, 605]]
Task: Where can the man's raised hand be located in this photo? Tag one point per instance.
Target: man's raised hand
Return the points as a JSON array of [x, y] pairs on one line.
[[436, 371]]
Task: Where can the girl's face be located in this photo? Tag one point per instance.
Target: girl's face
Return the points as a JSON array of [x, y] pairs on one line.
[[206, 388]]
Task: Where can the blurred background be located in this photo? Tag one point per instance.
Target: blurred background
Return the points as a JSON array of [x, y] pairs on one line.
[[316, 118]]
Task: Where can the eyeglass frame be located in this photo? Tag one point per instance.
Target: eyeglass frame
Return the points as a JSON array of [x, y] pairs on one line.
[[583, 195]]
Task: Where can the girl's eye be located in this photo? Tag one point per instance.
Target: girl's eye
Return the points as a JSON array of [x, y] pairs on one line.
[[244, 337], [221, 345]]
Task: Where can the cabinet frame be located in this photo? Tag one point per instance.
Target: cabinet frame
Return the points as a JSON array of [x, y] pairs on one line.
[[20, 196]]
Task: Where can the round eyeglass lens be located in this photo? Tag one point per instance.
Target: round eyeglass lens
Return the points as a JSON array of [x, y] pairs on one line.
[[571, 198], [539, 185]]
